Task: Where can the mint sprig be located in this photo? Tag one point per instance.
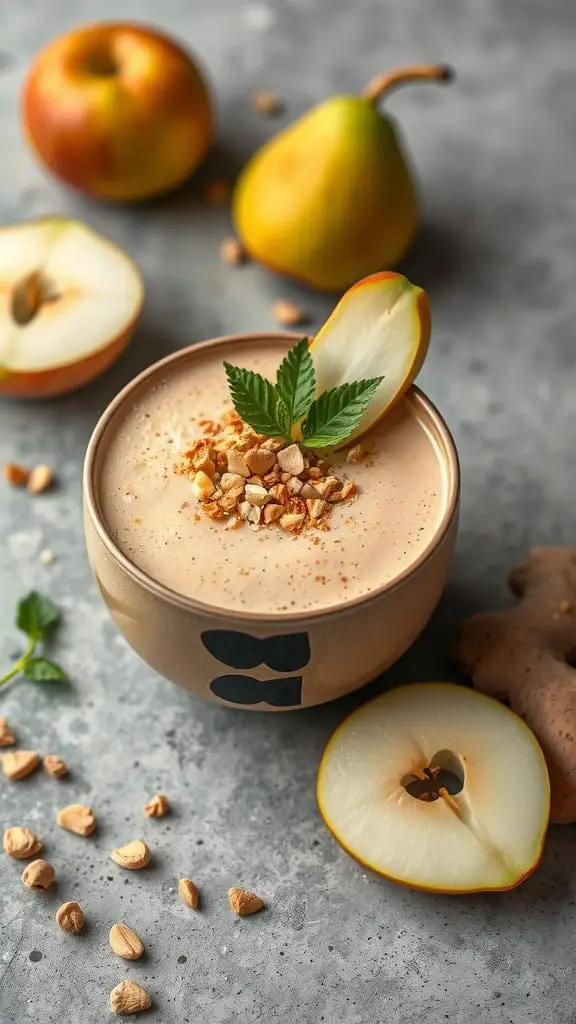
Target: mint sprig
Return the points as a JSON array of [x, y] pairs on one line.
[[276, 409], [36, 616]]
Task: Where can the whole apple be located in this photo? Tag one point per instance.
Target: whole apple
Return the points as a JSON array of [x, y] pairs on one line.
[[117, 110]]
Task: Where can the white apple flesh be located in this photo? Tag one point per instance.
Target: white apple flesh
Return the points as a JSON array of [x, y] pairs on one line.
[[487, 836], [69, 300]]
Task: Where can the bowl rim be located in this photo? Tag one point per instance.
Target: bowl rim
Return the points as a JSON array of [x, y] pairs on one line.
[[284, 338]]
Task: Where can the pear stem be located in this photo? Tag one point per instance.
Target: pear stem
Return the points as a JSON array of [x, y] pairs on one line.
[[389, 80]]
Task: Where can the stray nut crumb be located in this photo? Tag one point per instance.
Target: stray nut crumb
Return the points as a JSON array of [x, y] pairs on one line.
[[267, 103], [77, 818], [244, 902], [129, 997], [356, 454], [188, 892], [21, 843], [18, 764], [15, 475], [288, 313], [55, 766], [158, 806], [217, 192], [125, 943], [41, 479], [232, 253], [7, 737], [38, 875], [133, 856], [70, 918]]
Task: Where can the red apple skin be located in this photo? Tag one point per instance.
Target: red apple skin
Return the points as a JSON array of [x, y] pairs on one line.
[[117, 110]]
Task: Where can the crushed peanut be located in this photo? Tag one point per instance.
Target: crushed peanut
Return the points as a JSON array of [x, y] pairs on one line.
[[21, 843], [232, 253], [241, 477], [41, 479], [133, 856], [16, 475], [125, 943], [77, 818], [158, 806], [129, 997], [244, 902], [55, 766], [288, 313], [188, 893], [70, 918], [18, 764], [7, 737], [38, 875]]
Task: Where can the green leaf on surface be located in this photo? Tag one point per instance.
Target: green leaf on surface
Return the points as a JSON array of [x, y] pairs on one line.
[[257, 402], [296, 381], [36, 615], [337, 413], [42, 671]]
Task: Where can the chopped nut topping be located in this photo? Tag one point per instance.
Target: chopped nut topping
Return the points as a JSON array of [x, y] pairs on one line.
[[15, 475], [256, 495], [237, 464], [77, 818], [70, 918], [291, 460], [202, 485], [308, 491], [55, 766], [232, 253], [38, 875], [129, 997], [288, 313], [230, 481], [244, 902], [21, 843], [279, 493], [294, 485], [260, 461], [7, 737], [272, 513], [316, 508], [188, 893], [158, 806], [292, 522], [17, 764]]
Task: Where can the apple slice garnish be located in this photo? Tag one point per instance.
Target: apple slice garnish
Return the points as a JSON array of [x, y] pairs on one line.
[[380, 327], [69, 301], [437, 787]]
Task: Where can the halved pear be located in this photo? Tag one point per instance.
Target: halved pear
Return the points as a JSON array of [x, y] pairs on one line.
[[475, 814], [69, 301], [380, 328]]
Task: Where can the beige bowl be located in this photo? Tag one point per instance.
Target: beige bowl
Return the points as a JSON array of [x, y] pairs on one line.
[[266, 662]]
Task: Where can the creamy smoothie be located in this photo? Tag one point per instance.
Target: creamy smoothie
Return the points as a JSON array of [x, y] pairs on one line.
[[152, 516]]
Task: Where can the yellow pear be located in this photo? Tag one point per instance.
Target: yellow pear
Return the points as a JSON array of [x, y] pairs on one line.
[[330, 199]]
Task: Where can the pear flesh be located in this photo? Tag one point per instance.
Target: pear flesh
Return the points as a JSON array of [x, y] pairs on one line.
[[484, 831]]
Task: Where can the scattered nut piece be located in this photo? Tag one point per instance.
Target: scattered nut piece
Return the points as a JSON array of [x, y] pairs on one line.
[[349, 490], [15, 475], [245, 509], [77, 818], [38, 875], [188, 892], [279, 493], [129, 997], [316, 508], [41, 479], [272, 513], [272, 444], [21, 843], [237, 463], [292, 522], [158, 806], [133, 856], [256, 495], [70, 918], [217, 192], [230, 481], [202, 485], [291, 460], [356, 454], [288, 313], [244, 902], [326, 488], [17, 764], [7, 737], [232, 253], [55, 766], [255, 514], [267, 103], [260, 460], [125, 943], [308, 491]]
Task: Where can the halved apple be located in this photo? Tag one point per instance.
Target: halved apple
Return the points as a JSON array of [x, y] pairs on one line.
[[380, 328], [438, 787], [69, 301]]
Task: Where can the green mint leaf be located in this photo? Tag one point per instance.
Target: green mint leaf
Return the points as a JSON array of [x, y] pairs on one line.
[[296, 381], [36, 615], [257, 402], [43, 671], [337, 413]]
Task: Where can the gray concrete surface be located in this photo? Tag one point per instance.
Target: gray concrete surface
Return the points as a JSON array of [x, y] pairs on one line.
[[496, 154]]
